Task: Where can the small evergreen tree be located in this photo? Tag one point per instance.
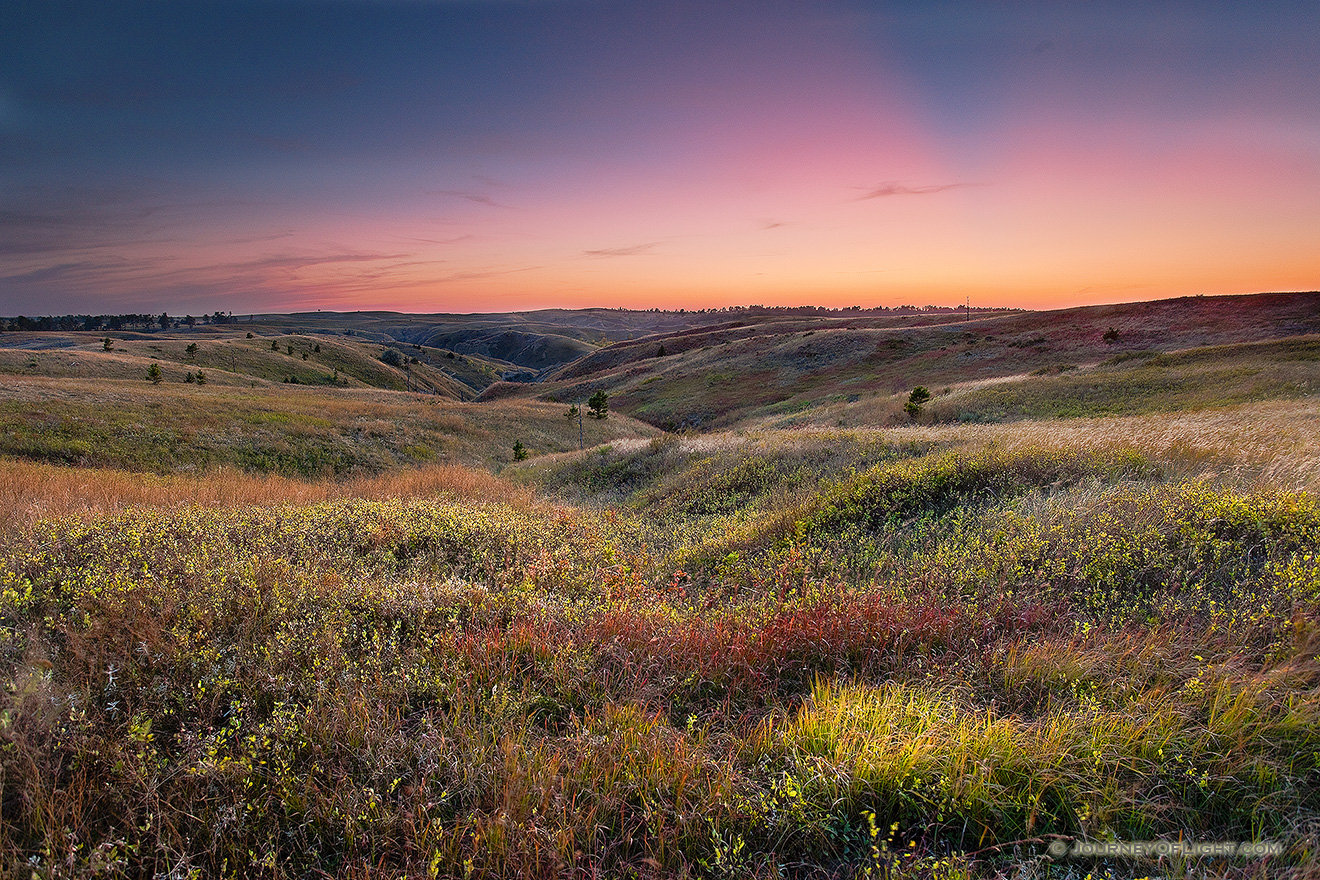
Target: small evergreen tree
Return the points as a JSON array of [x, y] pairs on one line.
[[201, 378], [599, 404], [1110, 336], [573, 412], [192, 348], [915, 400], [107, 344], [190, 378], [274, 346], [519, 451], [154, 374], [317, 348]]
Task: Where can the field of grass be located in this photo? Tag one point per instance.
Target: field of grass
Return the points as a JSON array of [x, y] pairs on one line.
[[255, 632], [287, 430], [777, 654], [1192, 353], [232, 357]]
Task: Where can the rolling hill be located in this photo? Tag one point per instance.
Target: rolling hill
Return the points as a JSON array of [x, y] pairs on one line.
[[794, 369]]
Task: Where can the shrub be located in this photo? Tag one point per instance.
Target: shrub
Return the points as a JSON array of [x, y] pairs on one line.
[[393, 357], [1110, 336]]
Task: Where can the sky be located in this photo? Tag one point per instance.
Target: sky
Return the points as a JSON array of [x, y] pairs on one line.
[[497, 155]]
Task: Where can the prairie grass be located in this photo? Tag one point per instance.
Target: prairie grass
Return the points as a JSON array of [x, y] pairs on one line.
[[32, 491], [912, 652], [291, 431], [940, 655], [1275, 443], [228, 359]]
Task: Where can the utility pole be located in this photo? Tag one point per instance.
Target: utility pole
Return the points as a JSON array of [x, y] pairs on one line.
[[969, 308]]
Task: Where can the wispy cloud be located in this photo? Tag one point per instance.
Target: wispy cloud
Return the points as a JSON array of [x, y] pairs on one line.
[[40, 220], [894, 188], [630, 251], [471, 196]]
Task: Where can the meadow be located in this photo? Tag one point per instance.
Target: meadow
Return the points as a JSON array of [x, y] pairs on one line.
[[923, 651]]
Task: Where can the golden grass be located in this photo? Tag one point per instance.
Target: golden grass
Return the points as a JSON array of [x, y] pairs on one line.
[[1275, 443], [1271, 443], [31, 491]]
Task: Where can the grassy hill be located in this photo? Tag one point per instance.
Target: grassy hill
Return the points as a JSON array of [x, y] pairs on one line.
[[228, 357], [253, 628], [796, 653], [292, 430], [719, 377]]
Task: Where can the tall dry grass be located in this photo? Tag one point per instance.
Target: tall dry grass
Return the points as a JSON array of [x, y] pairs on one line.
[[31, 491], [1275, 443]]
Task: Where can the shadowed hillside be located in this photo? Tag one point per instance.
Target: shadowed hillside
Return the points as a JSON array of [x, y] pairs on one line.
[[722, 376]]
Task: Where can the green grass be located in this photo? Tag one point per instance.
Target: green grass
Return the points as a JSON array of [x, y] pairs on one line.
[[305, 432], [1147, 382]]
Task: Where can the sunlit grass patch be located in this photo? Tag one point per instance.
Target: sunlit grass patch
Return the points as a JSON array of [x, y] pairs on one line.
[[1219, 760]]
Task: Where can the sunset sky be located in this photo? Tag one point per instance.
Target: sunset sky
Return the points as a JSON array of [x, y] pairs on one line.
[[424, 156]]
